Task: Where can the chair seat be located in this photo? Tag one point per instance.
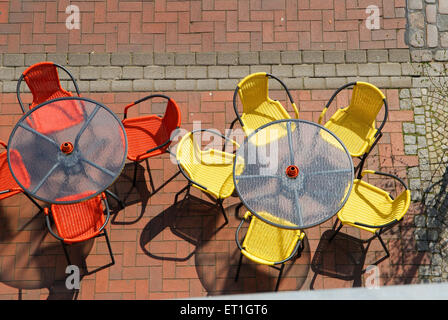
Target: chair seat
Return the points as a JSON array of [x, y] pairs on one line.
[[372, 206], [356, 135], [145, 133], [266, 112], [268, 244], [7, 182], [79, 221], [72, 116], [215, 172]]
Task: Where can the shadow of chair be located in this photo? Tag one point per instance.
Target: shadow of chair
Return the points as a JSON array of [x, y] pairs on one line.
[[131, 193], [38, 263], [191, 219], [341, 258], [217, 259]]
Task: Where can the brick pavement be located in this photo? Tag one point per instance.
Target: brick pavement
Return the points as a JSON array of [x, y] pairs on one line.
[[199, 26], [196, 52], [165, 251]]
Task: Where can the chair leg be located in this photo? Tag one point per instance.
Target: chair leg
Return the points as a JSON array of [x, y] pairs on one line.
[[134, 180], [151, 181], [187, 187], [113, 195], [358, 168], [336, 231], [239, 267], [377, 235], [219, 202], [66, 253], [109, 246], [279, 276], [33, 201]]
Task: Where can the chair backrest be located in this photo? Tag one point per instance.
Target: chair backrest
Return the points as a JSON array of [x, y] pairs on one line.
[[402, 202], [43, 80], [189, 154], [253, 91], [6, 179], [269, 242], [366, 102], [172, 118], [72, 220]]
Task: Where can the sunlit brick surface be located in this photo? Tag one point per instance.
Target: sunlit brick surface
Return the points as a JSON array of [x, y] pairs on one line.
[[167, 250]]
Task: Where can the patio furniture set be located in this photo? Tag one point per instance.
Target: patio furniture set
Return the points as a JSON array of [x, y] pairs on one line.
[[290, 174]]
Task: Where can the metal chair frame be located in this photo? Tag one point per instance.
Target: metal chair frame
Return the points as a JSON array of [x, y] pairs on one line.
[[24, 74], [163, 145], [191, 182], [381, 228], [378, 133], [299, 247], [102, 232]]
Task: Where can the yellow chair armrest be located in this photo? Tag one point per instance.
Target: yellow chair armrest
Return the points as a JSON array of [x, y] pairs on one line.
[[322, 115], [296, 111], [247, 215]]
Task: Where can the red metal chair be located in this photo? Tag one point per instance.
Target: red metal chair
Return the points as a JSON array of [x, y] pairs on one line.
[[9, 186], [43, 81], [151, 135], [79, 222]]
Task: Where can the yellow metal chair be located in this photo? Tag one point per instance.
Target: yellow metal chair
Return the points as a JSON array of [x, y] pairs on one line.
[[267, 244], [209, 170], [355, 124], [373, 209], [258, 108]]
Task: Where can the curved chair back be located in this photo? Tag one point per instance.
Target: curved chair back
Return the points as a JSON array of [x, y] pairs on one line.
[[253, 90], [366, 102], [43, 81], [172, 117], [189, 154]]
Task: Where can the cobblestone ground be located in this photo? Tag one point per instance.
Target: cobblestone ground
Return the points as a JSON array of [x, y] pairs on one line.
[[428, 138]]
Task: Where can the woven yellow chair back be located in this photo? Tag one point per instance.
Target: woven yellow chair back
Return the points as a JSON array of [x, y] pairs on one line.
[[366, 102], [253, 91], [401, 203], [373, 206], [189, 154], [270, 243]]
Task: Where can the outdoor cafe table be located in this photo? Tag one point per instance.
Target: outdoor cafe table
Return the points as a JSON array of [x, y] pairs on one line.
[[70, 149], [296, 170]]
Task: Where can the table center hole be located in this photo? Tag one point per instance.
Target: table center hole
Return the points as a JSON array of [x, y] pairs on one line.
[[292, 171], [67, 147]]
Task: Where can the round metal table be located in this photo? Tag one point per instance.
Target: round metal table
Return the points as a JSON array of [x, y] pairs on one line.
[[75, 154], [295, 170]]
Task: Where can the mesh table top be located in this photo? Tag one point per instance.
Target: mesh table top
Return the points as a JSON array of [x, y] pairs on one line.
[[68, 147], [296, 170]]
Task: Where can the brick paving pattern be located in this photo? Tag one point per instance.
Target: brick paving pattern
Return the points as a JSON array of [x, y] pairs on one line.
[[199, 26], [196, 52], [163, 251]]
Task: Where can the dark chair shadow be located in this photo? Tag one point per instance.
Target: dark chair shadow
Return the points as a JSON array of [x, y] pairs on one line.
[[39, 262], [191, 219], [216, 262], [342, 258], [130, 194]]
